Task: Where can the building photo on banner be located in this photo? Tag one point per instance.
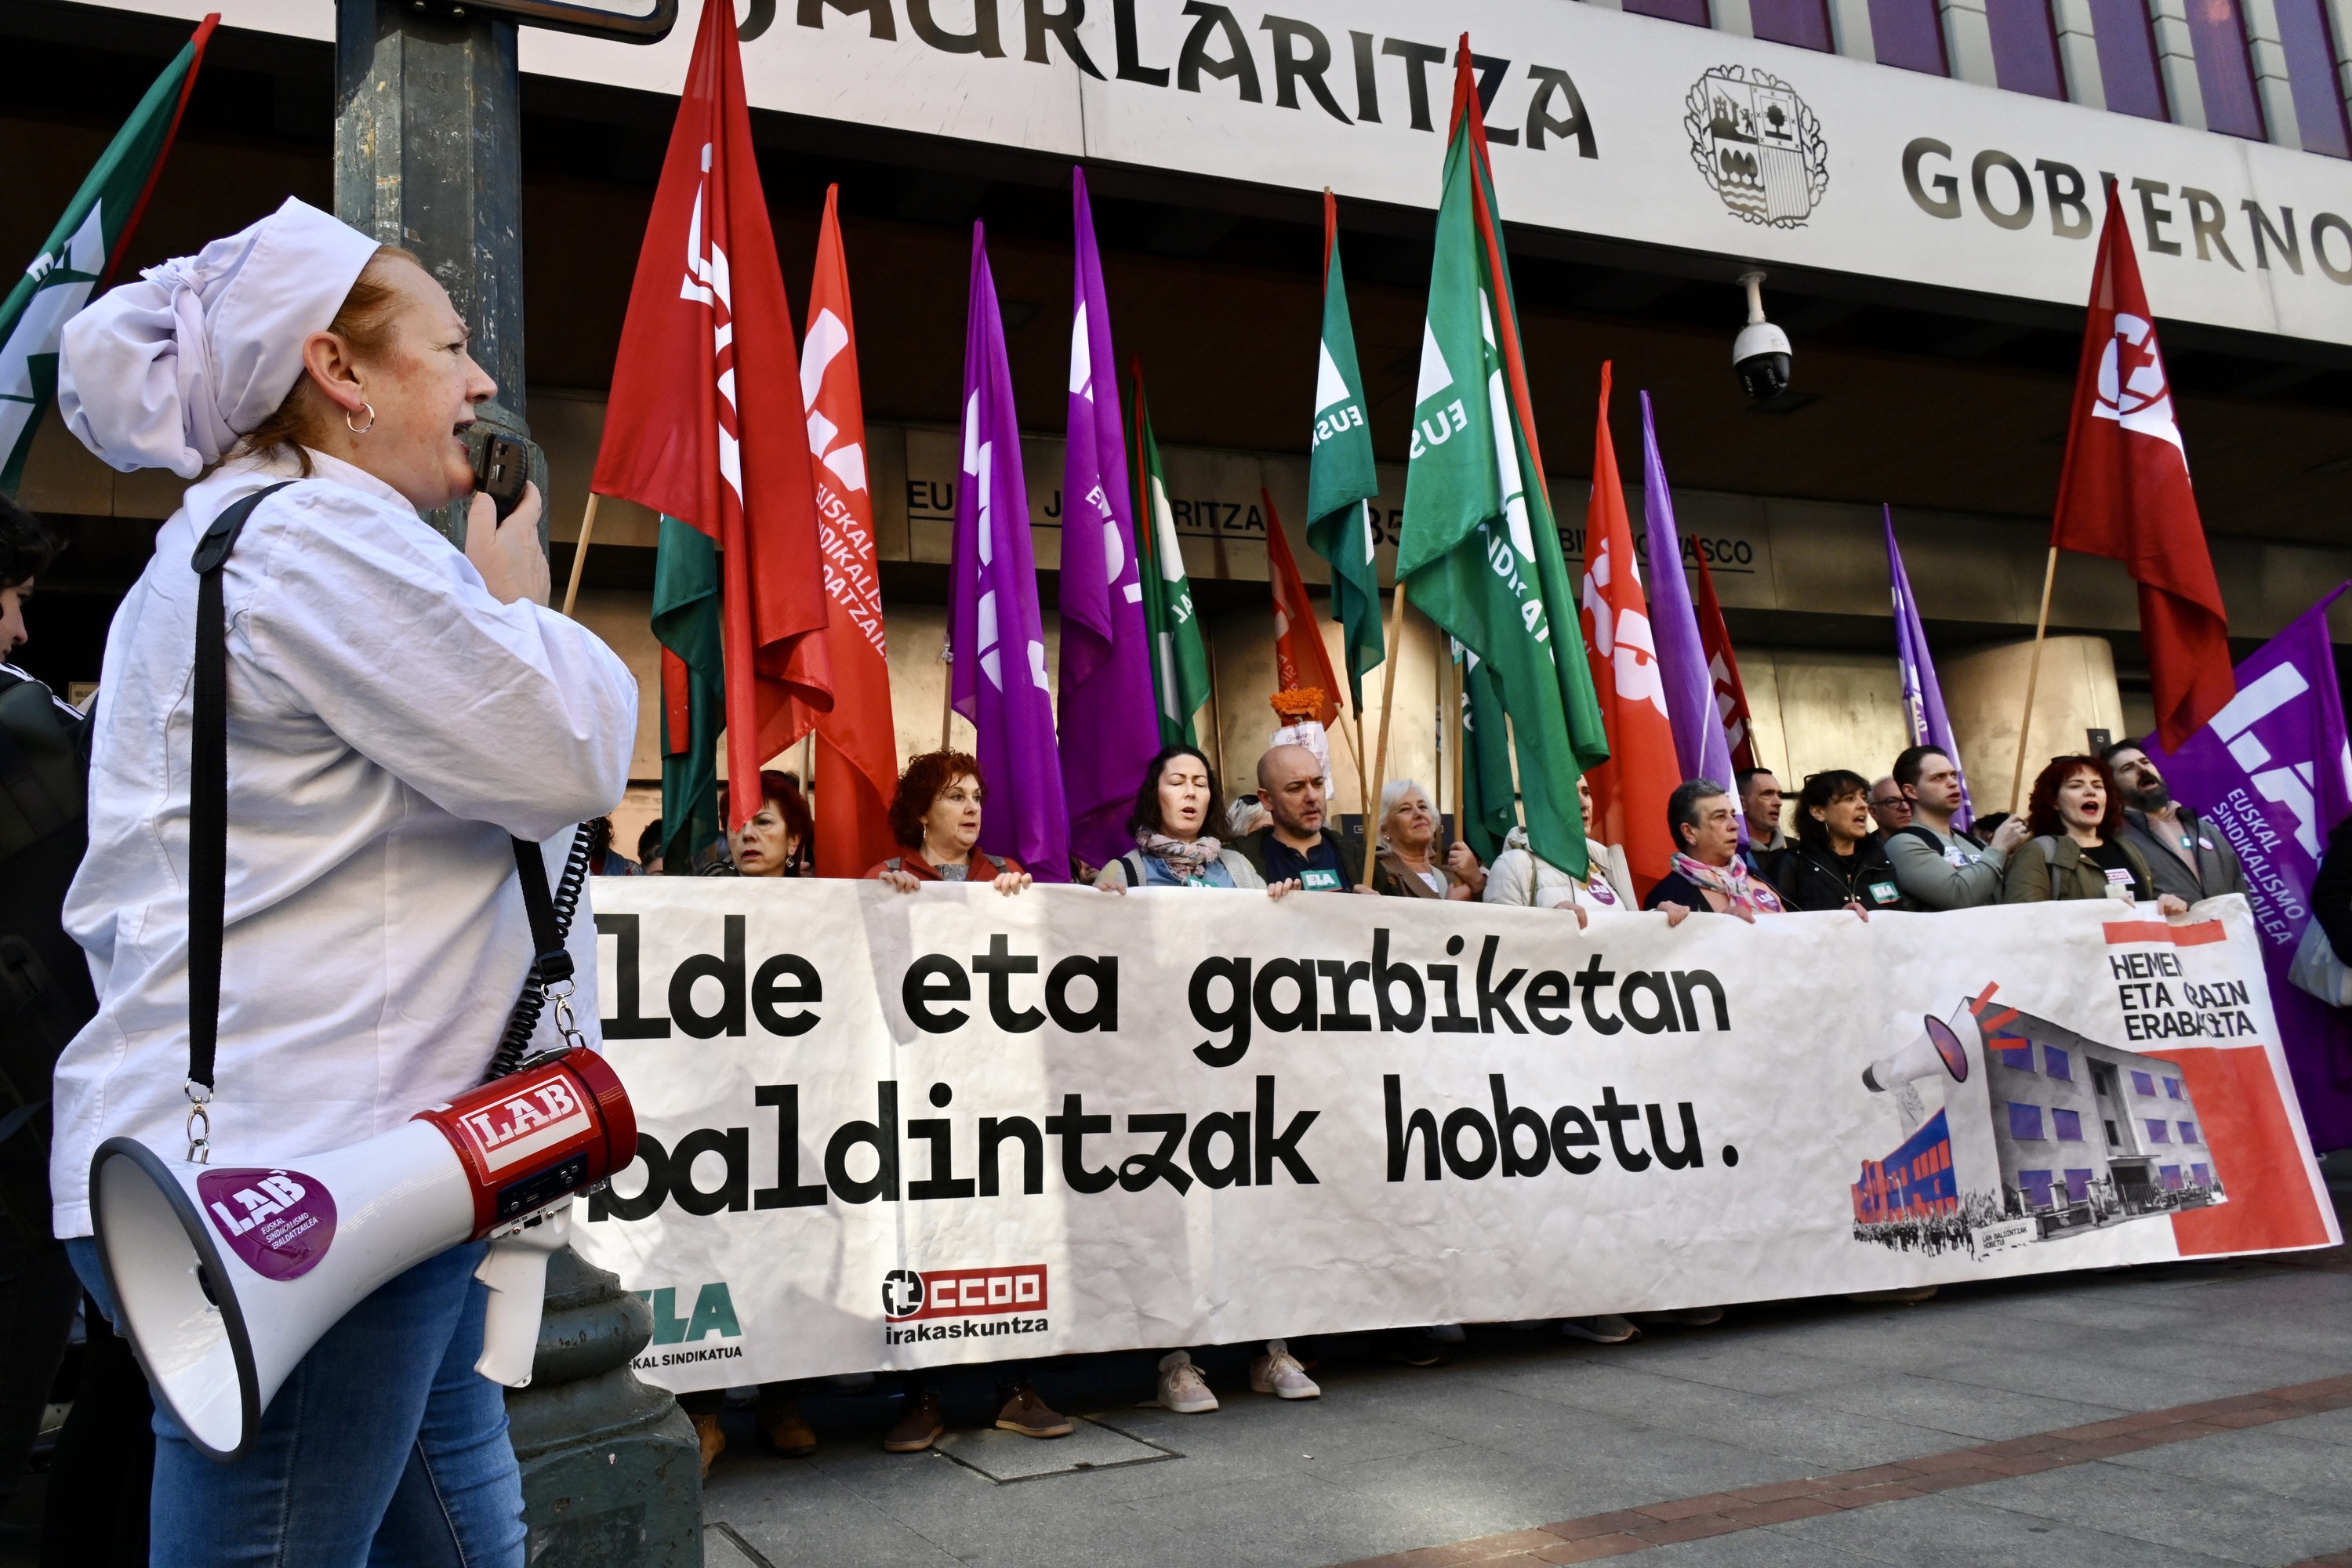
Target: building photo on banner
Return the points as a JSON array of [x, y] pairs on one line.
[[1799, 547]]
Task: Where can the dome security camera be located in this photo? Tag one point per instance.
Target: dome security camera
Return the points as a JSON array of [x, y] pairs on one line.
[[1760, 355]]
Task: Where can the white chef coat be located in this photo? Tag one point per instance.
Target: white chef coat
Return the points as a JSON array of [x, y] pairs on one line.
[[389, 723]]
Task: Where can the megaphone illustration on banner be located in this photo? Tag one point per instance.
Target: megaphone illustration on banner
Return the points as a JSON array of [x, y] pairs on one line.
[[224, 1278], [1937, 1050]]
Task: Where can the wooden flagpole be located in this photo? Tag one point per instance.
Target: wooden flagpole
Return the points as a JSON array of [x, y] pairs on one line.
[[2033, 675], [1388, 703], [580, 553], [947, 693], [1457, 676]]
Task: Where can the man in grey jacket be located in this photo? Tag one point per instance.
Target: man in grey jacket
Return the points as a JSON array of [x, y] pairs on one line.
[[1936, 866], [2187, 858]]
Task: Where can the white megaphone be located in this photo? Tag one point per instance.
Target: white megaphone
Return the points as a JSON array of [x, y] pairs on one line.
[[1939, 1051], [224, 1278]]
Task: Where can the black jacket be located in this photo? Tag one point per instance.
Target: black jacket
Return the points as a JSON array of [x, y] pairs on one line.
[[1351, 862], [1812, 879]]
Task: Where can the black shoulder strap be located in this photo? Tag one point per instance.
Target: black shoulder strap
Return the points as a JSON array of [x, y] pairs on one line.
[[1925, 835], [208, 818], [208, 786]]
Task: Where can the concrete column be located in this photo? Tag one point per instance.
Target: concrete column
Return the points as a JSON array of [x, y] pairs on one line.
[[1984, 692], [2078, 52], [2175, 59], [1850, 29], [428, 155], [1968, 41], [1732, 16], [2271, 84]]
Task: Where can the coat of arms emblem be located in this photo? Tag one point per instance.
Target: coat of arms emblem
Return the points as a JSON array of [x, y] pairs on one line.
[[1757, 145]]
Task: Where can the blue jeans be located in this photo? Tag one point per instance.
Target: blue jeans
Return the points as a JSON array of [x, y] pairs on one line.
[[384, 1448]]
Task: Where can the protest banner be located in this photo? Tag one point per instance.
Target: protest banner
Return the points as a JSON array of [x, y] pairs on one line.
[[888, 1130]]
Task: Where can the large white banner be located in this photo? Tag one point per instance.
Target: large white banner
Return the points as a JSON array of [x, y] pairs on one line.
[[892, 1130], [1604, 124]]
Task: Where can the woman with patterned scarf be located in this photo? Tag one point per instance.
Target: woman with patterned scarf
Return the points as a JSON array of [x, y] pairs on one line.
[[1173, 807], [1707, 874]]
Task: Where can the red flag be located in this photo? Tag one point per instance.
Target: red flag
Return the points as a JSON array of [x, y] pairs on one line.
[[2125, 494], [1628, 790], [1723, 672], [858, 741], [705, 421], [1299, 657]]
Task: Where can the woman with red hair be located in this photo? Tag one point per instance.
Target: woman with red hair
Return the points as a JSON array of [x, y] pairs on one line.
[[776, 840], [936, 815], [2078, 850]]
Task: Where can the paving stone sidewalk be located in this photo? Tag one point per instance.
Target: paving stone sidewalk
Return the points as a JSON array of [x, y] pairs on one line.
[[1522, 1428]]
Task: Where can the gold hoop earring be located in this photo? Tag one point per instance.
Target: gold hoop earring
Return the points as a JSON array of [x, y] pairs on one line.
[[361, 429]]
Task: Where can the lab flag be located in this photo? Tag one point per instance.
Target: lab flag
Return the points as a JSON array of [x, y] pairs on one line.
[[1180, 659], [1923, 698], [1723, 672], [1630, 792], [82, 251], [1300, 661], [1343, 479], [1480, 551], [997, 640], [858, 741], [1487, 787], [1108, 704], [1701, 749], [2125, 491], [2272, 774], [694, 691], [705, 421]]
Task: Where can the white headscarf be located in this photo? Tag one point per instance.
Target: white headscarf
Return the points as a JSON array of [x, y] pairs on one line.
[[168, 372]]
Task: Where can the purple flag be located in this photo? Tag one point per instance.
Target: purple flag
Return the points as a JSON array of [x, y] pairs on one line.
[[997, 640], [2272, 774], [1923, 700], [1701, 750], [1108, 705]]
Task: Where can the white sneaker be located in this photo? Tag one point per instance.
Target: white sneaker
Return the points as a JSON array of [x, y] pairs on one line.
[[1607, 1329], [1277, 1372], [1181, 1387]]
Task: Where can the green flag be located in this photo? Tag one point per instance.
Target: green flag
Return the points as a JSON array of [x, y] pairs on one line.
[[1180, 659], [1480, 551], [1492, 803], [81, 253], [686, 623], [1341, 481]]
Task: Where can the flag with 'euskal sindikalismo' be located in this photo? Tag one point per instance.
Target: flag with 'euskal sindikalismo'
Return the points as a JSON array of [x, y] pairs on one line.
[[1479, 552]]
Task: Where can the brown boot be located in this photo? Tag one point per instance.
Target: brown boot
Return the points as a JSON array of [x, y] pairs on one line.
[[714, 1441], [787, 1434], [1031, 1416], [919, 1428]]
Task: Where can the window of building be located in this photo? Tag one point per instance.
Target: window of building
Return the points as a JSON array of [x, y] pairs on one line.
[[2188, 1132], [2024, 1120], [1910, 33], [2035, 1184], [2018, 1054], [1691, 11], [2218, 33], [2158, 1131], [2067, 1125], [2078, 1187], [2310, 49], [2055, 1063], [2144, 1084], [2025, 48], [1804, 23], [2171, 1174], [2203, 1175], [2112, 1141], [2172, 1088], [2128, 67]]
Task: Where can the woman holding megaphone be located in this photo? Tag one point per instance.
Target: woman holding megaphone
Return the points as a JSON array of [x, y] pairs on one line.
[[394, 710]]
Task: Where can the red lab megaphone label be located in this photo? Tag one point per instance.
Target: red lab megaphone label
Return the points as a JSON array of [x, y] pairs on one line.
[[537, 1115], [279, 1222]]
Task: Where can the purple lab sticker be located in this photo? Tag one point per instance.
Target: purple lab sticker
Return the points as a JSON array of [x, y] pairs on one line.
[[279, 1222]]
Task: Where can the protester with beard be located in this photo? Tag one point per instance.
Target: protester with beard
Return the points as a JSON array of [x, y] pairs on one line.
[[2188, 858], [1296, 847], [1837, 863]]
